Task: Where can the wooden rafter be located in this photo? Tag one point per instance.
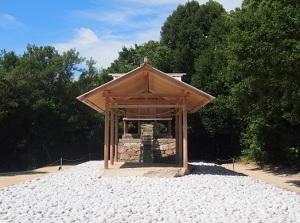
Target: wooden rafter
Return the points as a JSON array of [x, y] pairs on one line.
[[92, 105]]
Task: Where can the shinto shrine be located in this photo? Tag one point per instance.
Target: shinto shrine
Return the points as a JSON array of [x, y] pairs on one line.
[[153, 106]]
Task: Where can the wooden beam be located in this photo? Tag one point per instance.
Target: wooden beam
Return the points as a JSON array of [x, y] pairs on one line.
[[116, 134], [145, 95], [185, 146], [147, 119], [144, 106], [157, 115], [177, 138], [92, 105], [180, 135], [117, 75], [145, 101], [125, 127], [112, 136], [106, 136]]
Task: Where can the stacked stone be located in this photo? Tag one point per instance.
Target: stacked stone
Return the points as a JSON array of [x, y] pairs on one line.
[[129, 150], [164, 150]]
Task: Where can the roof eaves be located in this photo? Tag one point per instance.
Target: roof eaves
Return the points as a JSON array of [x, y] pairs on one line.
[[105, 86]]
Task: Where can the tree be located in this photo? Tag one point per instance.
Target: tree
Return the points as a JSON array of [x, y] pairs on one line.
[[40, 118], [264, 60], [158, 55], [215, 130], [186, 31]]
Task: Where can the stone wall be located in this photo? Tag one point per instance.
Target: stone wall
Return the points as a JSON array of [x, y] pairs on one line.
[[164, 150], [130, 150]]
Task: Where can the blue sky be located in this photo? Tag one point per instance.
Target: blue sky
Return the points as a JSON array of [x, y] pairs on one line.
[[96, 28]]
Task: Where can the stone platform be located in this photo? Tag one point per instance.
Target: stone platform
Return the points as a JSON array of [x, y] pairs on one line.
[[122, 169], [131, 150]]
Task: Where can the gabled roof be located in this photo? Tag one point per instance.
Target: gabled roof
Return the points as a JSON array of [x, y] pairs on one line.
[[144, 87]]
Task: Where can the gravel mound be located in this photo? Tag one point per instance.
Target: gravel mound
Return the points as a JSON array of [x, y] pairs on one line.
[[210, 194]]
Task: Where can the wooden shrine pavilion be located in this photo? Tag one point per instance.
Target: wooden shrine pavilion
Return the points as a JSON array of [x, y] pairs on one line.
[[146, 96]]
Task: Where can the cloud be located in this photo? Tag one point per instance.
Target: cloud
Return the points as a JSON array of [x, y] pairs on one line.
[[124, 24], [88, 44], [112, 29], [98, 16], [8, 18], [9, 21], [151, 34], [121, 16], [128, 15]]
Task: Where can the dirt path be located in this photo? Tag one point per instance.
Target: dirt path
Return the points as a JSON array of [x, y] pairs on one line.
[[7, 179], [284, 178]]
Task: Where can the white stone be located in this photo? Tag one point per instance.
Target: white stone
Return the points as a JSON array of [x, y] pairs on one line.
[[208, 194], [163, 147]]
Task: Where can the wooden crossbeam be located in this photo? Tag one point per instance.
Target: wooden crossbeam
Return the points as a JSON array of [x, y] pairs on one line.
[[147, 119], [144, 106], [144, 101], [146, 95]]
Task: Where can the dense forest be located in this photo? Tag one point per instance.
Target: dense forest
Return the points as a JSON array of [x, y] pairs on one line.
[[249, 59]]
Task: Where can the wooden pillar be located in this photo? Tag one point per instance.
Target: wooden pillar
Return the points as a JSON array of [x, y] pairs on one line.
[[125, 127], [180, 134], [169, 128], [112, 136], [106, 134], [139, 127], [116, 134], [185, 146], [177, 136]]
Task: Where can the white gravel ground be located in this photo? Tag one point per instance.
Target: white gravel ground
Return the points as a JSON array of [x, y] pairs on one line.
[[210, 194]]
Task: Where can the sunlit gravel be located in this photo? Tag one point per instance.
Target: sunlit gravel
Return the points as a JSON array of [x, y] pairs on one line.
[[210, 194]]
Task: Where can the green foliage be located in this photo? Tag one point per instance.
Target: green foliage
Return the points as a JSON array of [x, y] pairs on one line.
[[160, 128], [292, 154], [186, 31], [264, 54], [40, 118], [251, 140], [158, 56]]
